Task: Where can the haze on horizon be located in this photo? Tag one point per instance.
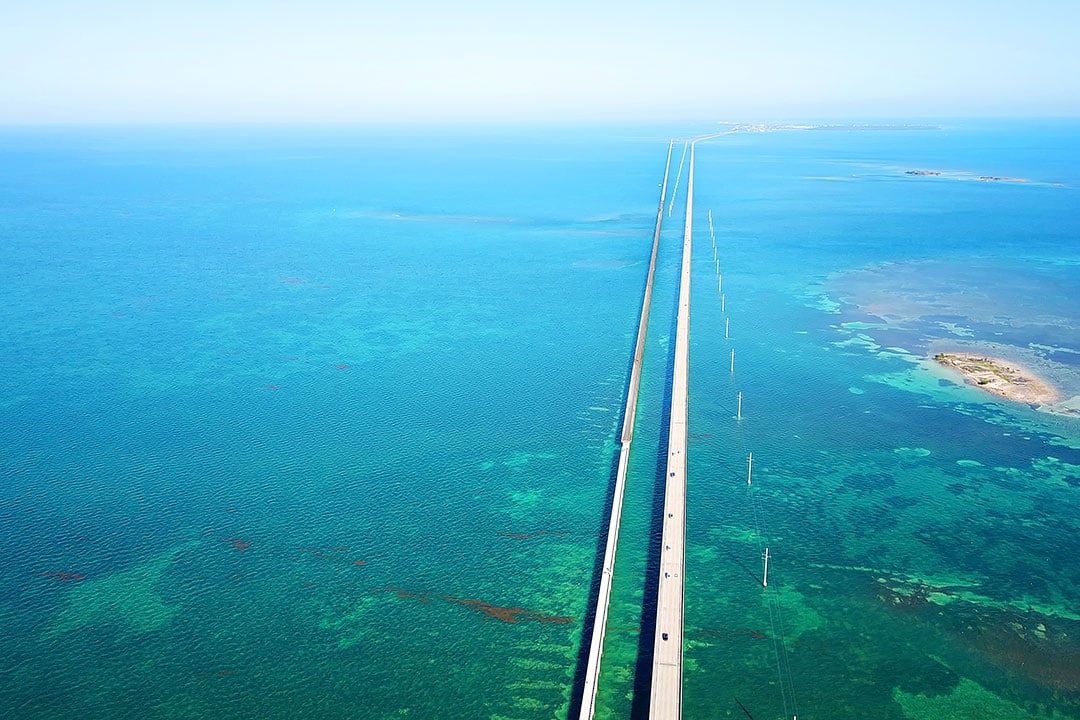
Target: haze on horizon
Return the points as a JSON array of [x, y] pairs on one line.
[[422, 61]]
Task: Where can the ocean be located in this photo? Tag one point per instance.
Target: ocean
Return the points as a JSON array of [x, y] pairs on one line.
[[307, 422]]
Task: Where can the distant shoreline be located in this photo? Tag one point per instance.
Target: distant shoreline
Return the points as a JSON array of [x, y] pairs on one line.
[[1000, 377]]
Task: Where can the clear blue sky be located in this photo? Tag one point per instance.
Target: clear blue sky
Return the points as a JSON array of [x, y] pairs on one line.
[[565, 60]]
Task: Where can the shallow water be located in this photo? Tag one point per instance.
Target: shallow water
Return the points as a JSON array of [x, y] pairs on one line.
[[303, 424]]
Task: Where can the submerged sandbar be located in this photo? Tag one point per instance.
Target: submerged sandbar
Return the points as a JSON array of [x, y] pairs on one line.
[[1000, 377]]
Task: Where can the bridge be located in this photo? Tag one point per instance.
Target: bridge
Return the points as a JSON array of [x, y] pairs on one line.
[[667, 661], [665, 700]]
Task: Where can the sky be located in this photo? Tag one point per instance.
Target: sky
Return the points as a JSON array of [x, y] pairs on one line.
[[75, 61]]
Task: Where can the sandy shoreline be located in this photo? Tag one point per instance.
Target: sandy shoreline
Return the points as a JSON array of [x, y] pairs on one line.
[[1000, 377]]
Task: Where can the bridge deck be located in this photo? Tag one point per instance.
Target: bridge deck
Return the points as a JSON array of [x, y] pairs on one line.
[[666, 697]]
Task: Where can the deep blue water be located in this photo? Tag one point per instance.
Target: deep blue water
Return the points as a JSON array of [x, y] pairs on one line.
[[319, 423]]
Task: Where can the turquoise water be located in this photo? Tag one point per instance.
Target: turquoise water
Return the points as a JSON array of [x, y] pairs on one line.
[[321, 424]]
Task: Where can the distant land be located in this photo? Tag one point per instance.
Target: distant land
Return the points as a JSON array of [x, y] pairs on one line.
[[771, 127]]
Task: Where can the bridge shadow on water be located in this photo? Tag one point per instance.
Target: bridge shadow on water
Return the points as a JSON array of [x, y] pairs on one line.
[[582, 663], [642, 686], [639, 706]]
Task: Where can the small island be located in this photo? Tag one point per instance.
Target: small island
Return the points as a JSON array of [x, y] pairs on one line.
[[958, 175], [999, 377]]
